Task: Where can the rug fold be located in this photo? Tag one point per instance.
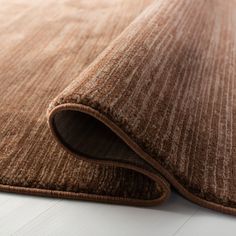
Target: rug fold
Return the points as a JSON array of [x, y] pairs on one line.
[[158, 87]]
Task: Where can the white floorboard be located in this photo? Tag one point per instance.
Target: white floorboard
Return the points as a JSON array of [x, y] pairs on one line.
[[27, 215]]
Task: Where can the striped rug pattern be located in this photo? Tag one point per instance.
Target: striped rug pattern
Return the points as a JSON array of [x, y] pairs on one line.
[[142, 97]]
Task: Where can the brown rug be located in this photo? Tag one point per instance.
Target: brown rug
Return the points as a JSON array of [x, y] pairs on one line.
[[145, 100]]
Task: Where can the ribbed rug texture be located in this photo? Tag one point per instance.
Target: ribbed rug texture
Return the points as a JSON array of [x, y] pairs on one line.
[[119, 101]]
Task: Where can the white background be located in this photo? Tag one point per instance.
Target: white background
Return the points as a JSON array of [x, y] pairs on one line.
[[29, 215]]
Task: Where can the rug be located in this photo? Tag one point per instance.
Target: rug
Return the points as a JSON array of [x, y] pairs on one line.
[[119, 101]]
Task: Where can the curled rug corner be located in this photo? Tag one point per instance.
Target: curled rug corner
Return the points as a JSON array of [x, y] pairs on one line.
[[144, 100], [162, 96]]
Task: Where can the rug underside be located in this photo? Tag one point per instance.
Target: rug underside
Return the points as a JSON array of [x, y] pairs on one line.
[[116, 102]]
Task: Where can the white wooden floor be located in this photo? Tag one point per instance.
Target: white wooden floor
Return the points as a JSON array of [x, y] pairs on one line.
[[26, 215]]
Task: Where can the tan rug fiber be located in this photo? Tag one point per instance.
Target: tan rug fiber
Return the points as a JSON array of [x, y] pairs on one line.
[[119, 101]]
